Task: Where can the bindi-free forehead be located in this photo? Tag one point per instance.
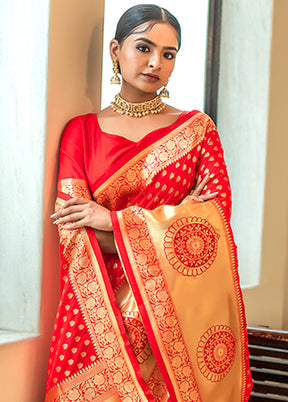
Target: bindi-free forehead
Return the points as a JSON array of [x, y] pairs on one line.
[[161, 35]]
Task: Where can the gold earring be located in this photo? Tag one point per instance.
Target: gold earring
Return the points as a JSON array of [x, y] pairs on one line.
[[164, 93], [115, 79]]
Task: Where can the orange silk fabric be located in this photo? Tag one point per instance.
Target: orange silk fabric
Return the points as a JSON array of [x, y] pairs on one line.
[[183, 262]]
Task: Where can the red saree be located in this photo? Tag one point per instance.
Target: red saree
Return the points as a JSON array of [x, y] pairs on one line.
[[162, 320]]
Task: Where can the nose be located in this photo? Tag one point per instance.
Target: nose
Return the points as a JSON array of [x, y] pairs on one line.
[[155, 60]]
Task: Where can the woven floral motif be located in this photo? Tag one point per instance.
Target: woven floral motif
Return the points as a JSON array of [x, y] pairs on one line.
[[137, 335], [75, 188], [161, 304], [114, 376], [216, 352], [157, 385], [88, 390], [190, 245]]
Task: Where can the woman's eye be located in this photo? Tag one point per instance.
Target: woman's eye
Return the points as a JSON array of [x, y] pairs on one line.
[[169, 56], [143, 48]]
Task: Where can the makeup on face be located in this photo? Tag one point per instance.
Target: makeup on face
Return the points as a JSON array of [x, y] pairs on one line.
[[147, 58]]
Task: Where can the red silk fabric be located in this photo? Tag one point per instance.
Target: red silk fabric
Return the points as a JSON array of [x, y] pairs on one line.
[[99, 348]]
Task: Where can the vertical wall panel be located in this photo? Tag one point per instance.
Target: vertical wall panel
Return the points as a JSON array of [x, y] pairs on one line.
[[23, 82], [242, 121]]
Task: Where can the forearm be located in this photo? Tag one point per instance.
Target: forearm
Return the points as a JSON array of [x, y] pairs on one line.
[[106, 241]]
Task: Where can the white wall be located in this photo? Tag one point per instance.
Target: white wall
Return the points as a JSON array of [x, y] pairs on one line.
[[242, 121], [74, 76], [253, 123], [23, 82]]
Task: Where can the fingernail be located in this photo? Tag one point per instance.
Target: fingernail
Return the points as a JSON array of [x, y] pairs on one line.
[[56, 222], [53, 215]]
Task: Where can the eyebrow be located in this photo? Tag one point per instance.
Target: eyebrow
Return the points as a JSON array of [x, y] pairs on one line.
[[154, 44]]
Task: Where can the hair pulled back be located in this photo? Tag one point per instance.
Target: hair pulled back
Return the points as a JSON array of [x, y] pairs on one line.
[[141, 13]]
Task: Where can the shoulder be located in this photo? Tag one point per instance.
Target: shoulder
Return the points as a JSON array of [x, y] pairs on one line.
[[200, 126], [107, 112], [80, 121], [78, 126], [171, 110], [202, 119], [106, 116]]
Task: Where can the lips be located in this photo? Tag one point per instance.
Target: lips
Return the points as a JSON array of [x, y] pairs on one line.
[[151, 77]]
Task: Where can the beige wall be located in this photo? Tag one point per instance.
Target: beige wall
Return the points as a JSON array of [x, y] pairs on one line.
[[75, 57], [268, 303]]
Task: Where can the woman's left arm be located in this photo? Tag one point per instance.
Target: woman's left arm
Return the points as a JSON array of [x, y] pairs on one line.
[[212, 169]]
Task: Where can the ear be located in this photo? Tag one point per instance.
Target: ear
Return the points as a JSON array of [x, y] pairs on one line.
[[114, 49]]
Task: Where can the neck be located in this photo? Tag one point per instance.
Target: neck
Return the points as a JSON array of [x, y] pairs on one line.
[[136, 96]]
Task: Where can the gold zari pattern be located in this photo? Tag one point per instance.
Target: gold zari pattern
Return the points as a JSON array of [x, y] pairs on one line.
[[115, 375]]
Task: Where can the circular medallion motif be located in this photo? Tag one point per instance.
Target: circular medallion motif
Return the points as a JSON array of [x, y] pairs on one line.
[[137, 336], [190, 245], [216, 352]]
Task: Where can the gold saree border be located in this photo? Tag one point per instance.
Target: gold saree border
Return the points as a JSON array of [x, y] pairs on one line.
[[246, 372], [158, 155], [74, 188], [160, 309], [85, 385], [90, 290]]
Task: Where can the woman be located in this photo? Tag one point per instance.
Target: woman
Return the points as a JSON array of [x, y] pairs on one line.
[[150, 308]]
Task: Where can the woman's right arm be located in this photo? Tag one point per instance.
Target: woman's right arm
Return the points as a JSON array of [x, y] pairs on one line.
[[79, 209]]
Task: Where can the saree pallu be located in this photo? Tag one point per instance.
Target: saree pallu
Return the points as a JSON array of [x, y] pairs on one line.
[[163, 319]]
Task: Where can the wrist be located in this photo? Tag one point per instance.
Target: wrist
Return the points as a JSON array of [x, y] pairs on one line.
[[109, 223]]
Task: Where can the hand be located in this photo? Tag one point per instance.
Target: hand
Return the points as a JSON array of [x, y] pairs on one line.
[[196, 192], [80, 212]]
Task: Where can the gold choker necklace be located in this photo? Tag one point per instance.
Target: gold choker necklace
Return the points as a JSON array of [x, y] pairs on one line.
[[121, 106]]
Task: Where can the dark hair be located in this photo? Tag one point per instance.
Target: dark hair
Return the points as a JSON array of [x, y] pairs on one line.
[[141, 13]]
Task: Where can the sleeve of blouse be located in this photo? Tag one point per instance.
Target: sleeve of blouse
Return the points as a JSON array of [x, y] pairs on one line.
[[71, 163], [211, 161], [72, 178]]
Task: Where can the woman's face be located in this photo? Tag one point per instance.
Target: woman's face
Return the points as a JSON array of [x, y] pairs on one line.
[[146, 58]]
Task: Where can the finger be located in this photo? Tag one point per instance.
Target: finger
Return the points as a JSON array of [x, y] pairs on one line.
[[204, 197], [68, 211], [210, 196], [205, 180], [199, 188], [74, 201], [197, 198], [73, 225], [198, 181], [69, 218], [81, 223]]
